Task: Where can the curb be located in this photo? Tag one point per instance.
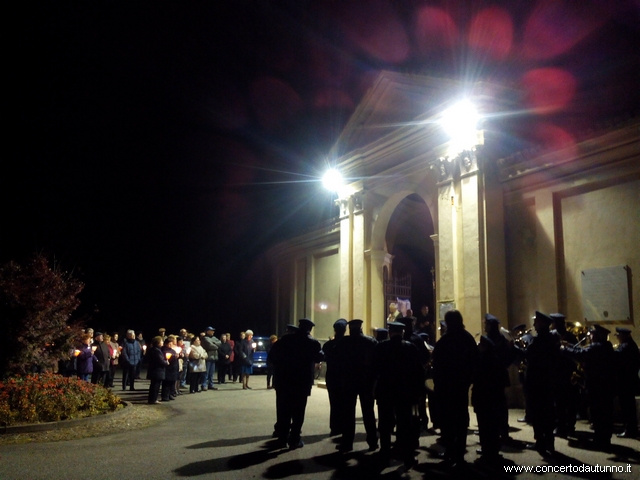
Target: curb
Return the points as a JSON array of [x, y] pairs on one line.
[[42, 427]]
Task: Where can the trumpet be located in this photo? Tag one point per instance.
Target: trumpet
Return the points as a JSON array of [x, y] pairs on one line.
[[523, 339]]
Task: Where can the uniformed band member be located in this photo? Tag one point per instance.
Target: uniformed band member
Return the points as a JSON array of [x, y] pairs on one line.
[[567, 392], [424, 355], [382, 334], [542, 359], [354, 353], [333, 377], [397, 392], [598, 359], [506, 355], [294, 357], [627, 366], [486, 397], [523, 340], [455, 357]]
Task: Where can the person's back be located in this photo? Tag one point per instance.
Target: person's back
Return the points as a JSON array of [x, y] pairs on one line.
[[454, 359], [294, 357]]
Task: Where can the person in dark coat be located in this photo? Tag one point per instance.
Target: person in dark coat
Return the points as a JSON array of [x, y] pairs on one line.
[[355, 360], [237, 358], [506, 355], [225, 352], [272, 339], [130, 358], [627, 363], [84, 358], [487, 398], [541, 364], [143, 348], [598, 360], [567, 393], [334, 380], [455, 357], [246, 354], [294, 357], [210, 343], [102, 360], [172, 371], [424, 355], [156, 368], [398, 388], [382, 334]]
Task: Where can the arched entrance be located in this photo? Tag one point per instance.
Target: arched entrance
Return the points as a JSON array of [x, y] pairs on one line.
[[408, 241]]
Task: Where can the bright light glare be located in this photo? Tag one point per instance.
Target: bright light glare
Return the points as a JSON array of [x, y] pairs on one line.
[[332, 180], [323, 306], [460, 123]]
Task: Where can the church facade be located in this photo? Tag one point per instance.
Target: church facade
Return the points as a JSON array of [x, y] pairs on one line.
[[553, 229]]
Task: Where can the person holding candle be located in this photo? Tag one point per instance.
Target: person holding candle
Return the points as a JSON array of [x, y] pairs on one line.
[[102, 359], [114, 357], [171, 371], [181, 351], [143, 348], [156, 368], [197, 364], [84, 358]]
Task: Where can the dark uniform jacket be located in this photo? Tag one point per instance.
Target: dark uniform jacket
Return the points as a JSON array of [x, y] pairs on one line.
[[334, 373], [294, 357], [598, 362], [355, 359], [542, 362], [399, 373], [489, 381], [455, 358], [627, 365]]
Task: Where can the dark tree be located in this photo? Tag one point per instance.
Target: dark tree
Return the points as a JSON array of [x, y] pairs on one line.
[[36, 303]]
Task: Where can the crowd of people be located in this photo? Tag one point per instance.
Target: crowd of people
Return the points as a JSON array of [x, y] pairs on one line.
[[173, 362], [391, 371]]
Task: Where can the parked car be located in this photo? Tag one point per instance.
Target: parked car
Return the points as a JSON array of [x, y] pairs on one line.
[[260, 349]]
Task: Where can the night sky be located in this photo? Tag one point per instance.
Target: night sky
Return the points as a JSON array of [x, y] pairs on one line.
[[158, 149]]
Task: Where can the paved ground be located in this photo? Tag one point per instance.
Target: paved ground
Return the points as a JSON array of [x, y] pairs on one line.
[[226, 434]]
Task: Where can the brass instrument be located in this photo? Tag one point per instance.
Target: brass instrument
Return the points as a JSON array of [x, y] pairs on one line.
[[580, 331], [523, 339], [583, 335]]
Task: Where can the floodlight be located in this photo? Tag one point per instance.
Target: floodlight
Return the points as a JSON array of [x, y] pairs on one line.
[[460, 123], [332, 180]]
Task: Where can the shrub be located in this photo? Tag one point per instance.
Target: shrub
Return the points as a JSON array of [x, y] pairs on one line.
[[48, 398], [36, 304]]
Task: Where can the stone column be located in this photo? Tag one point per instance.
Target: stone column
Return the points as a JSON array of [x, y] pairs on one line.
[[346, 257], [378, 260], [358, 269], [547, 300]]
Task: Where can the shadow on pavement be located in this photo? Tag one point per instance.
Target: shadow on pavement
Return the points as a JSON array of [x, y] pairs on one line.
[[268, 451]]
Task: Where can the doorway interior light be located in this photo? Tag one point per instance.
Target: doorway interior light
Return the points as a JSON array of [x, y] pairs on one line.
[[460, 122], [332, 180]]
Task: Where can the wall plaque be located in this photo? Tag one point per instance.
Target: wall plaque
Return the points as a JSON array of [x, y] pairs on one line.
[[445, 307], [605, 294]]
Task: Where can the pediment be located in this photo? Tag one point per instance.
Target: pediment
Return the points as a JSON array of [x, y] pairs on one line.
[[395, 100]]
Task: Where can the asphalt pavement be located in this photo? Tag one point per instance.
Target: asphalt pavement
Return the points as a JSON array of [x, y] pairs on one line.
[[226, 434]]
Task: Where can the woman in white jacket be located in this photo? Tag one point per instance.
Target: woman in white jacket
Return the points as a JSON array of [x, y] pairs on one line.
[[197, 365]]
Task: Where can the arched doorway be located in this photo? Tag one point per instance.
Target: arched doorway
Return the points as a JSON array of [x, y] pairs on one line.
[[408, 240]]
